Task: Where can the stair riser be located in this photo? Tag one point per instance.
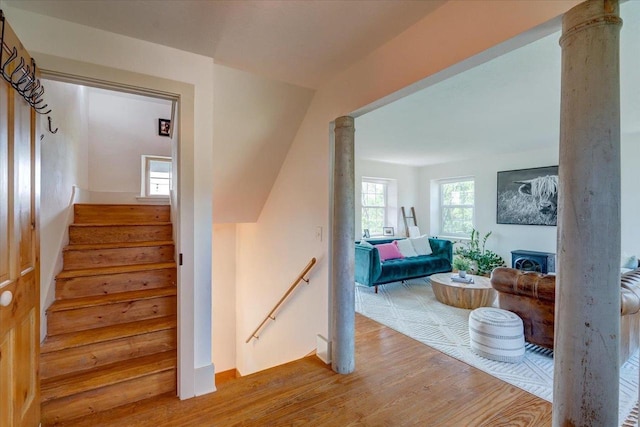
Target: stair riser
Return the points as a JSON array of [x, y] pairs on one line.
[[89, 258], [119, 233], [78, 287], [103, 353], [110, 214], [105, 398], [80, 319]]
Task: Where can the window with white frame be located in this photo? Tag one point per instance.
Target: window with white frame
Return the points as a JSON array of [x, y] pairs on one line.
[[457, 207], [374, 205], [156, 176]]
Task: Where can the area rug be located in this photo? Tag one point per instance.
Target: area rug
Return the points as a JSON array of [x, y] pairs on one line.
[[411, 308]]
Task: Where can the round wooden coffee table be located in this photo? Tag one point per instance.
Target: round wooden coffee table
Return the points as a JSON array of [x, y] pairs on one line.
[[463, 295]]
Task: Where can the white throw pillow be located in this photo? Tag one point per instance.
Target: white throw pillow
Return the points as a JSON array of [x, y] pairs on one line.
[[421, 245], [414, 231], [406, 248], [365, 243], [629, 261]]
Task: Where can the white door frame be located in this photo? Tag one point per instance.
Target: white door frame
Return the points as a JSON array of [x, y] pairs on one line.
[[192, 379]]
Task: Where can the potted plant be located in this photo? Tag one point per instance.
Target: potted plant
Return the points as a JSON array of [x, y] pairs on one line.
[[484, 259], [462, 265]]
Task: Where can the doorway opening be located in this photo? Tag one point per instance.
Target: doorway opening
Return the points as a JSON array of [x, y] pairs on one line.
[[107, 177], [105, 135]]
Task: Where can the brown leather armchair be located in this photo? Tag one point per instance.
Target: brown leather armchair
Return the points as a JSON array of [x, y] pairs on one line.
[[532, 297]]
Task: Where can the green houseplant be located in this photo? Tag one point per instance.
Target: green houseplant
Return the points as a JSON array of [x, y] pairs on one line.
[[484, 260], [462, 265]]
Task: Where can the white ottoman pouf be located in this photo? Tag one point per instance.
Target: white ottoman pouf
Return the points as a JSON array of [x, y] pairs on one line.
[[496, 334]]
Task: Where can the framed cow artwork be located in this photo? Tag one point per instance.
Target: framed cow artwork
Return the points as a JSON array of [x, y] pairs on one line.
[[528, 196]]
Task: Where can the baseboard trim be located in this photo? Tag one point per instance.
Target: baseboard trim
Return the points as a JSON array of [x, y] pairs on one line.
[[226, 376], [323, 349], [204, 380]]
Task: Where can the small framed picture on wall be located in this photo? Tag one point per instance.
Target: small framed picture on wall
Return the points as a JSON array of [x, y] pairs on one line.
[[387, 231], [164, 127]]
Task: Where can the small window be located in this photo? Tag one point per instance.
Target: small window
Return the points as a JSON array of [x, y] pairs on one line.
[[457, 207], [374, 206], [156, 180]]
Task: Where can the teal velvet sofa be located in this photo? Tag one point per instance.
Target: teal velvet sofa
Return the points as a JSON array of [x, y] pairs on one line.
[[369, 271]]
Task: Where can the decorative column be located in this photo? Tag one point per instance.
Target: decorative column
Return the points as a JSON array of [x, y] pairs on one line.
[[342, 249], [587, 309]]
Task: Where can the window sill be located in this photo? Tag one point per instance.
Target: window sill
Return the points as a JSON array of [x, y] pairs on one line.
[[455, 238], [154, 200]]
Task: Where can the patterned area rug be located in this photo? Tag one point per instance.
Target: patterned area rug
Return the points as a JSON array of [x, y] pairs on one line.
[[411, 308]]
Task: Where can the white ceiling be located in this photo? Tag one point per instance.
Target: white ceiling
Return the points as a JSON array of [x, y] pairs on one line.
[[269, 57], [509, 104], [300, 42]]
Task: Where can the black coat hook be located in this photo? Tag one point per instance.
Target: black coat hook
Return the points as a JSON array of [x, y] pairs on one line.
[[51, 130], [23, 77]]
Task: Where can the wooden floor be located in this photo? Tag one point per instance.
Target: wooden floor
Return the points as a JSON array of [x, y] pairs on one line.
[[397, 382]]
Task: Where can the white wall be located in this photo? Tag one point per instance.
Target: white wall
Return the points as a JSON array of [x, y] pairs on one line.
[[123, 127], [507, 237], [406, 182], [630, 203], [224, 297], [272, 251], [56, 44], [504, 237], [64, 165]]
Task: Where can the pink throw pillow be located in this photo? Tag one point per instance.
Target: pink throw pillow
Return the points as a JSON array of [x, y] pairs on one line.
[[388, 251]]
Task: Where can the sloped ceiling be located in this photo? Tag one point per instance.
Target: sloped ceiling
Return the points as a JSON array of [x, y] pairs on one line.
[[300, 42], [255, 122], [285, 50]]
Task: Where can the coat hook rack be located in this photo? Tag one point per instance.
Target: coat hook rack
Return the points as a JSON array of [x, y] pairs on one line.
[[23, 76], [50, 129]]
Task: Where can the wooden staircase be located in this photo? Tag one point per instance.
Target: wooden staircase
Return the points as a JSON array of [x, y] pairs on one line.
[[111, 333]]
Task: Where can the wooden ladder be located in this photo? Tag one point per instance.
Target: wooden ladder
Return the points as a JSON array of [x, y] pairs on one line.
[[405, 218], [111, 336]]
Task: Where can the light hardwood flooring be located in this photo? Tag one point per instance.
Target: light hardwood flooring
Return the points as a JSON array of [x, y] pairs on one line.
[[397, 382]]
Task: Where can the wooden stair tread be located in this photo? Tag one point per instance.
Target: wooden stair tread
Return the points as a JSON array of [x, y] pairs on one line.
[[107, 333], [118, 205], [92, 301], [97, 271], [122, 412], [91, 246], [120, 224], [132, 213], [112, 335], [79, 382]]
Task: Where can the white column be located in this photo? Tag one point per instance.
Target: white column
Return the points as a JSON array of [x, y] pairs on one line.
[[587, 309], [343, 250]]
